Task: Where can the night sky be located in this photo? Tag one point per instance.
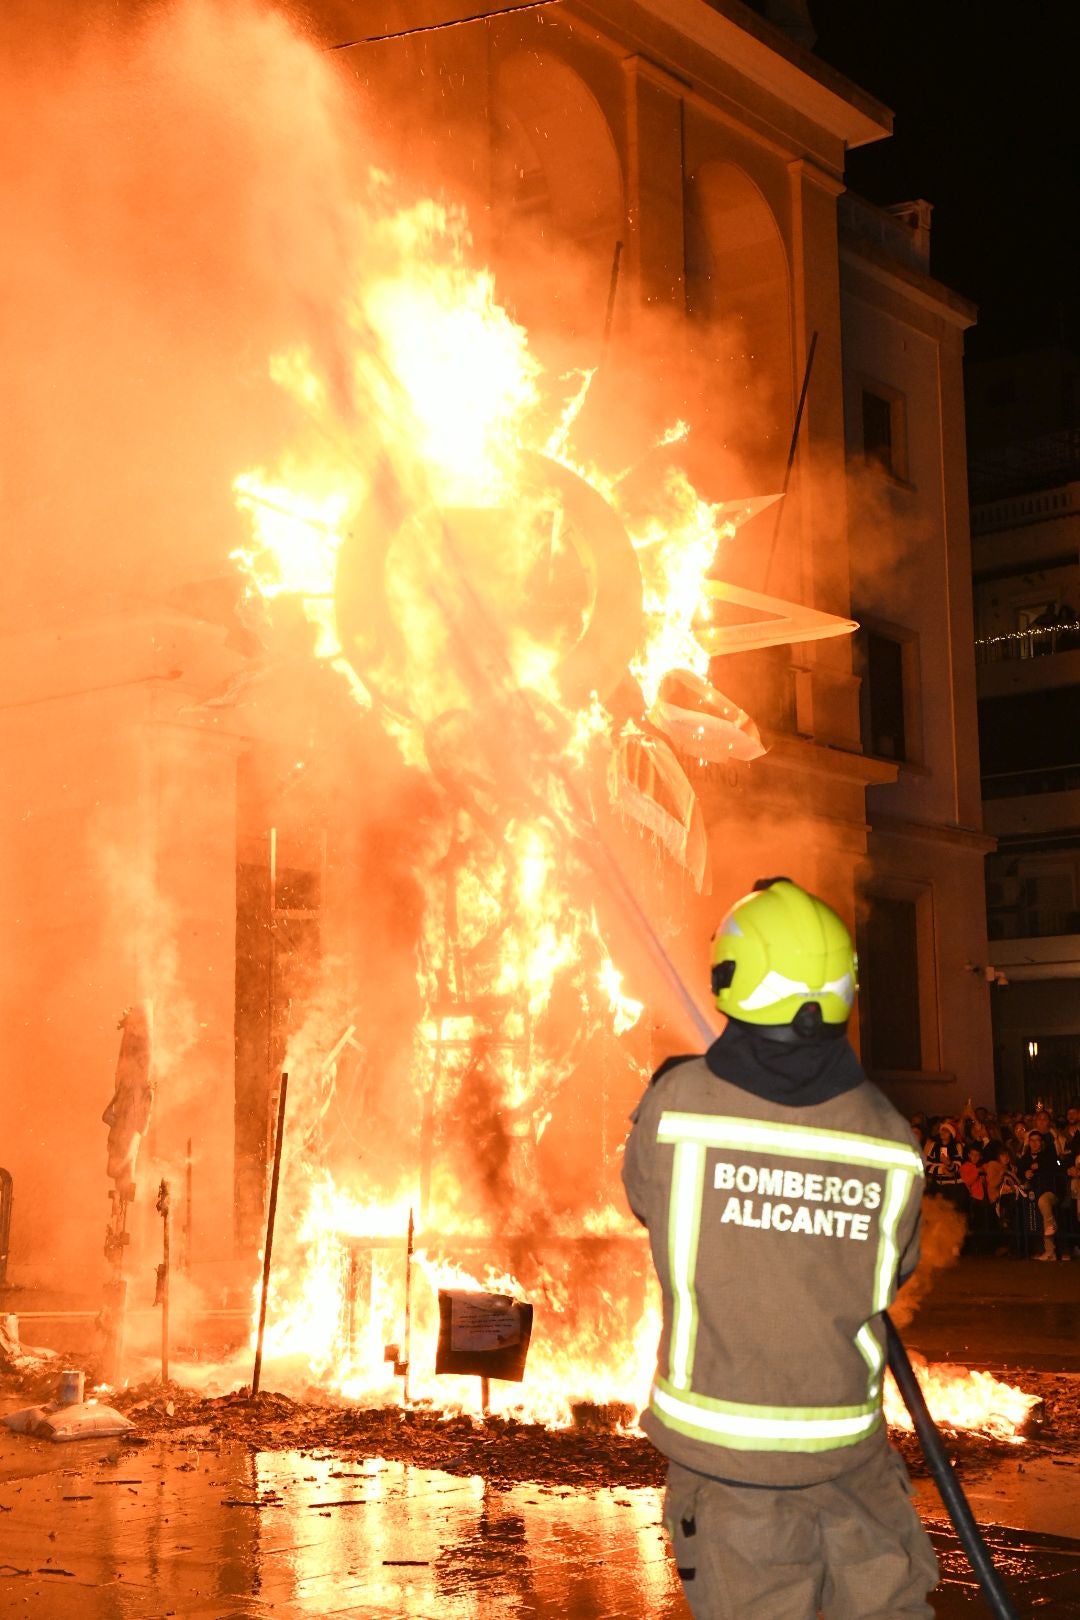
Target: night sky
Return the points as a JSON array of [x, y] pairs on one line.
[[986, 129]]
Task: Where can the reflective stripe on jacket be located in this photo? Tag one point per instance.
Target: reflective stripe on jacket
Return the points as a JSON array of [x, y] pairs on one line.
[[777, 1234]]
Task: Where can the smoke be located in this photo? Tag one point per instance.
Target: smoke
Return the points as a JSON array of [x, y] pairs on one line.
[[177, 189], [943, 1231], [211, 273]]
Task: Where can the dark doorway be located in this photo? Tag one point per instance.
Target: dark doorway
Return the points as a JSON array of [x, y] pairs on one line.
[[892, 1035], [1052, 1072]]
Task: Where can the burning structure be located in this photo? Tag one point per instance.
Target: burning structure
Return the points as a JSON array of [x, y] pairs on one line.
[[404, 646]]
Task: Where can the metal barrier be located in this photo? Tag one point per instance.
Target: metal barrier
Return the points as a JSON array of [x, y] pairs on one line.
[[7, 1199]]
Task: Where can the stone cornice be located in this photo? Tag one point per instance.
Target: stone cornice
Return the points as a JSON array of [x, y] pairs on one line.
[[876, 264], [933, 832], [769, 59], [799, 753]]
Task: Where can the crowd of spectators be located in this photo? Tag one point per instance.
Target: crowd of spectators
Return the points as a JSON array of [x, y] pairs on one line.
[[1016, 1177]]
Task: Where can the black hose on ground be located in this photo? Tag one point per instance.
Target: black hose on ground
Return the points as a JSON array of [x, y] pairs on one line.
[[952, 1492]]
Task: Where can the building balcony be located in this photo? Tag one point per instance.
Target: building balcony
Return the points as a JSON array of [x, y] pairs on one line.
[[1032, 922], [1027, 661], [1037, 641], [1037, 957], [1056, 789]]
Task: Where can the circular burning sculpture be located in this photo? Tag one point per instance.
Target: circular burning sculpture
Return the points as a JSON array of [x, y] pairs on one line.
[[529, 637]]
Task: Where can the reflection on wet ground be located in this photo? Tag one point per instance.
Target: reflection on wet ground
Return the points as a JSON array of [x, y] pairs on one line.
[[1042, 1573], [99, 1533], [228, 1534]]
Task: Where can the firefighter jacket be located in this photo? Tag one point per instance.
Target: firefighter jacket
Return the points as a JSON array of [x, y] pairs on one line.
[[779, 1226]]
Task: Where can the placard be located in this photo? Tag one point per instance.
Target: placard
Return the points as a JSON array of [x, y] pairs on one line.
[[483, 1335]]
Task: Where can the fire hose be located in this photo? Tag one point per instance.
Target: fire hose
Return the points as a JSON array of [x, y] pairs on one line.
[[952, 1492]]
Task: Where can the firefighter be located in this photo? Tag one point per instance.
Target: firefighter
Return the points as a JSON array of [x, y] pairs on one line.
[[782, 1196]]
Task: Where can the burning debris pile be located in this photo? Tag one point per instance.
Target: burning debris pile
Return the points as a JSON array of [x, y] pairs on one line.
[[962, 1398], [506, 1451]]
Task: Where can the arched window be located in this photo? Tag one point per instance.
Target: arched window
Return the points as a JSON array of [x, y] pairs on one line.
[[738, 299], [558, 194]]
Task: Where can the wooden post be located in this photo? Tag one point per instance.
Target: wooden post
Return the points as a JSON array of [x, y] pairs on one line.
[[352, 1275], [186, 1259], [163, 1278], [271, 1215], [408, 1308], [794, 445], [613, 287]]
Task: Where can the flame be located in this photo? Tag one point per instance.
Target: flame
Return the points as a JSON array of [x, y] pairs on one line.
[[462, 363], [626, 1009], [960, 1398], [676, 549]]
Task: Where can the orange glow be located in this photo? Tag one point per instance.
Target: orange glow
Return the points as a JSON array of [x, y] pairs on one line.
[[457, 407], [482, 593]]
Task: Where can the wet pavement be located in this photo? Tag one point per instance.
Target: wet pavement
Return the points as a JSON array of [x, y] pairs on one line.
[[193, 1526], [158, 1533], [1002, 1313], [96, 1531]]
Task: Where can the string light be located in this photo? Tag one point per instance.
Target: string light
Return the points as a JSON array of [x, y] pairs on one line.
[[1027, 635]]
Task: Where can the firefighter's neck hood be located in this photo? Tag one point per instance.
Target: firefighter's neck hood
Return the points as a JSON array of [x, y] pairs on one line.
[[797, 1076]]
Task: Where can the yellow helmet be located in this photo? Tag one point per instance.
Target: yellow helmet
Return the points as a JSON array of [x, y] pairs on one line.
[[780, 950]]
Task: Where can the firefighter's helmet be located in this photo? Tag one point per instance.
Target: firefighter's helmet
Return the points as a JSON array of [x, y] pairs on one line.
[[783, 961]]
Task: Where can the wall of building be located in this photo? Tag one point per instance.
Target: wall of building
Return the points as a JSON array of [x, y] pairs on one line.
[[1027, 603], [910, 547]]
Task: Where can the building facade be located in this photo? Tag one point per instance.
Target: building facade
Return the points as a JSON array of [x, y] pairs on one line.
[[1025, 457], [660, 188], [928, 991]]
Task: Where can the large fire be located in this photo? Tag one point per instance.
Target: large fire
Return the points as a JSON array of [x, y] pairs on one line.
[[531, 631], [483, 595]]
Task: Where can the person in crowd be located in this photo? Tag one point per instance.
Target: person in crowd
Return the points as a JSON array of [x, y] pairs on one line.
[[1009, 1194], [1072, 1127], [1012, 1201], [973, 1175], [996, 1165], [1070, 1206], [1040, 1170], [944, 1157], [979, 1134]]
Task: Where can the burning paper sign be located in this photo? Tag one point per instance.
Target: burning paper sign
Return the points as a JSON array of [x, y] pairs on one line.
[[483, 1335]]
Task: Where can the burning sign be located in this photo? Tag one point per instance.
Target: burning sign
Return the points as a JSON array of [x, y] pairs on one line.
[[485, 1335]]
